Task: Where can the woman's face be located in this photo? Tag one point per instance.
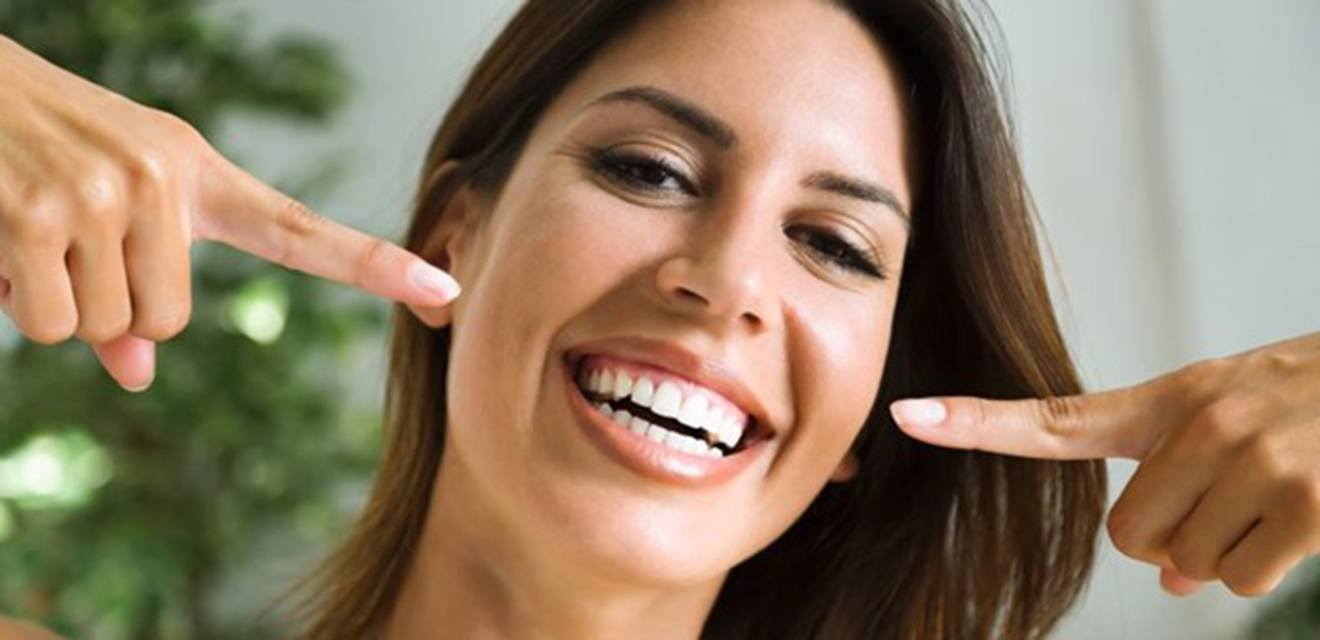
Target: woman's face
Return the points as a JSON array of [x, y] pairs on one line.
[[728, 180]]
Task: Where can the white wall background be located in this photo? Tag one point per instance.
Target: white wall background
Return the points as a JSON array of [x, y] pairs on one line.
[[1173, 146]]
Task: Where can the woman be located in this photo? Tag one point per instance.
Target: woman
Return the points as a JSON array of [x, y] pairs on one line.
[[704, 246]]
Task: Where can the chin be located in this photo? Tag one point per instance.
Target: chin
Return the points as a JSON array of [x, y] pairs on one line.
[[635, 540]]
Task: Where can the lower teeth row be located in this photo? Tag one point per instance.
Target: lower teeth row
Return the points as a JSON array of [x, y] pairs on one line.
[[656, 433]]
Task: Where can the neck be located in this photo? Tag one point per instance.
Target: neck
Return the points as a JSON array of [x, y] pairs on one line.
[[475, 576]]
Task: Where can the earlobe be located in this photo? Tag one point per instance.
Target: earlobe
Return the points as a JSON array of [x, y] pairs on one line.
[[847, 469]]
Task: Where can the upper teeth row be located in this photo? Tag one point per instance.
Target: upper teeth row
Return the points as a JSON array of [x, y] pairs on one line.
[[667, 400]]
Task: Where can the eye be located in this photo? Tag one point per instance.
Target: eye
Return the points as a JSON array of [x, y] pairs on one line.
[[841, 254], [641, 172]]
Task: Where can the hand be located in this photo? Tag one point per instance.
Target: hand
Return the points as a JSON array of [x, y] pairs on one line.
[[1228, 482], [101, 198]]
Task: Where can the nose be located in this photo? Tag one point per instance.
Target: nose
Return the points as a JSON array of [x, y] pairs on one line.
[[722, 273]]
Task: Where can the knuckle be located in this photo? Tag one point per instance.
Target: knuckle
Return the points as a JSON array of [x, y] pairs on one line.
[[1209, 368], [297, 219], [50, 331], [370, 255], [177, 130], [1200, 374], [149, 174], [1223, 417], [1243, 581], [1123, 532], [96, 331], [1274, 363], [1269, 458], [1059, 414], [1189, 561], [1301, 496], [159, 325], [40, 221], [96, 194]]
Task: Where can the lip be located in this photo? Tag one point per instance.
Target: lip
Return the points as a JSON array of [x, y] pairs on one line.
[[652, 459], [682, 363]]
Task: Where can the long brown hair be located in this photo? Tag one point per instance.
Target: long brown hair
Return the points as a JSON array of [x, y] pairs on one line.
[[925, 542]]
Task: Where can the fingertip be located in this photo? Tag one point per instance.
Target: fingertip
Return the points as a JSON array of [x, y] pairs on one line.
[[1178, 585], [130, 361], [435, 286], [919, 413]]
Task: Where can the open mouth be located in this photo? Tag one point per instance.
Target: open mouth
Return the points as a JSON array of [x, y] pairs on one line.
[[652, 412]]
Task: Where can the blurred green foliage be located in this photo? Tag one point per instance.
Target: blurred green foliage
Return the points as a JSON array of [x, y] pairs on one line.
[[127, 516], [1294, 614], [152, 515]]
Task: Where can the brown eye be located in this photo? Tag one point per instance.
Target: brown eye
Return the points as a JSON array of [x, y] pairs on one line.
[[839, 252], [641, 172]]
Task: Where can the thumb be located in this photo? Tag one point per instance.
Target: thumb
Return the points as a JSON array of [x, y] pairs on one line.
[[130, 360], [1178, 584]]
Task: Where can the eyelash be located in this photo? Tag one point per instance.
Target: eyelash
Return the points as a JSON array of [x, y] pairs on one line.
[[625, 168]]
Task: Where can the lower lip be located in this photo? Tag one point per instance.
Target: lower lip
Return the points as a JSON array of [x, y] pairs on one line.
[[649, 458]]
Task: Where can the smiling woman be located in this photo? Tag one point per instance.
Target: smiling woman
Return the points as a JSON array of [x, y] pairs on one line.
[[685, 224], [708, 250]]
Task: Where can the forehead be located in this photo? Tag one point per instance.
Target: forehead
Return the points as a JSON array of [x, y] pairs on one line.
[[798, 74]]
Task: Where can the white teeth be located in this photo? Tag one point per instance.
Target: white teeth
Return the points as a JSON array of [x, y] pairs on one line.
[[622, 417], [676, 441], [725, 427], [656, 433], [622, 386], [714, 423], [733, 430], [693, 412], [643, 392], [667, 399]]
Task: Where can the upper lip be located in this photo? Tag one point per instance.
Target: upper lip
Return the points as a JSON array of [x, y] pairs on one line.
[[707, 372]]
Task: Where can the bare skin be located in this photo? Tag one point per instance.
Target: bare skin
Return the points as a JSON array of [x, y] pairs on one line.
[[1228, 485], [100, 199], [534, 534], [533, 531]]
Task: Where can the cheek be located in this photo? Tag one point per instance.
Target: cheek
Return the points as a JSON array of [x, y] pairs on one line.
[[539, 265], [841, 352]]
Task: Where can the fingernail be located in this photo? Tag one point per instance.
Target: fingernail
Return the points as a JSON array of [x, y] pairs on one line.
[[918, 413], [142, 387], [434, 281]]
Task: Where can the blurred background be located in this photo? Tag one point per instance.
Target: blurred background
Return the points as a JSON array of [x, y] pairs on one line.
[[1172, 145]]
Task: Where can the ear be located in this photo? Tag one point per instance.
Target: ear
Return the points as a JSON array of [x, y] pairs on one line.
[[447, 240], [847, 468]]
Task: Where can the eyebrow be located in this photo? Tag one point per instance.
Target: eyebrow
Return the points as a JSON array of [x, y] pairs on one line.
[[832, 182], [709, 126]]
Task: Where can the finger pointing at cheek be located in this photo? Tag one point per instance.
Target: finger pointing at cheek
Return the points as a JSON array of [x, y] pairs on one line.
[[245, 213], [1109, 424], [1227, 486]]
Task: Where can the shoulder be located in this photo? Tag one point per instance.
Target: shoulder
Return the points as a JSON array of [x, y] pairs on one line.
[[11, 629]]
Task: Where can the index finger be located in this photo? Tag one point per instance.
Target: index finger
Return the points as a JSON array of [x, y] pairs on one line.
[[1122, 422], [247, 214]]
